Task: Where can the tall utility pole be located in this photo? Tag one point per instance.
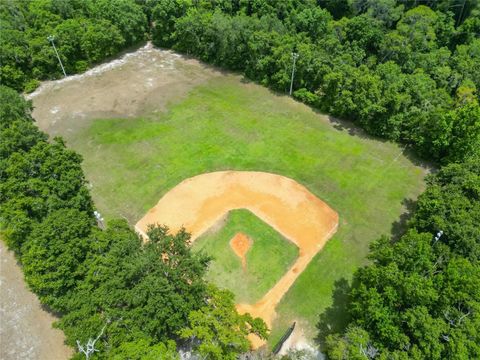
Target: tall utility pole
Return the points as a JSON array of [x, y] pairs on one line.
[[294, 57], [51, 38]]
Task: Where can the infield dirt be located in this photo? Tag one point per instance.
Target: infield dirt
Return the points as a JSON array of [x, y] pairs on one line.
[[200, 202]]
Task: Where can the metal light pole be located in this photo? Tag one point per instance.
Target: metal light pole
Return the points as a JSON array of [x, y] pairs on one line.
[[99, 218], [294, 57], [51, 38]]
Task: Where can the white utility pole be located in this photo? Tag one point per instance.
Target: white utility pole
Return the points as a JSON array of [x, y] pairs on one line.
[[51, 38], [294, 57]]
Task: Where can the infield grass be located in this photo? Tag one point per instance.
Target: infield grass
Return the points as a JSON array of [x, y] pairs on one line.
[[226, 124], [268, 259]]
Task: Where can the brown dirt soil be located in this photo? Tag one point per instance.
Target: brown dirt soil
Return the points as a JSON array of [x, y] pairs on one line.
[[138, 83], [25, 328], [199, 202], [240, 245]]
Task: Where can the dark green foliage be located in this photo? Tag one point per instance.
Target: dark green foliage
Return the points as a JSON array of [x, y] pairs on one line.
[[13, 107], [35, 183], [221, 330], [17, 131], [164, 15], [36, 177], [125, 15], [452, 203], [404, 72], [420, 297], [143, 350], [86, 32], [53, 255], [142, 290]]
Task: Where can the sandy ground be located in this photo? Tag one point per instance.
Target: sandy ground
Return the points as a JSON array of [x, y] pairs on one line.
[[201, 201], [240, 245], [25, 329], [140, 82]]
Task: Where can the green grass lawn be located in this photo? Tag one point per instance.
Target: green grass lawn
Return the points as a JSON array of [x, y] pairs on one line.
[[269, 257], [226, 124]]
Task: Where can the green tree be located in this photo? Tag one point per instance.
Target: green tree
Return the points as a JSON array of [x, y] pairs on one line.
[[164, 17], [46, 178], [220, 331], [419, 297], [451, 203], [101, 40], [53, 255], [144, 350], [386, 11], [126, 15], [142, 289]]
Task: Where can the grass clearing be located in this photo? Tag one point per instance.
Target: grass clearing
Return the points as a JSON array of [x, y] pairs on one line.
[[269, 257], [225, 124]]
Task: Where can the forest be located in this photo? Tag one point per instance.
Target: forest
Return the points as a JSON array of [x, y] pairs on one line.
[[405, 71]]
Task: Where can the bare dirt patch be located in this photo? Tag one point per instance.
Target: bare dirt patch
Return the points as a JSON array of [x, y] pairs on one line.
[[199, 202], [138, 83], [240, 245], [25, 329]]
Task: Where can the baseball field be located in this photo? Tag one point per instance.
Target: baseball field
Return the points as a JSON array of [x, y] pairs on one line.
[[252, 174]]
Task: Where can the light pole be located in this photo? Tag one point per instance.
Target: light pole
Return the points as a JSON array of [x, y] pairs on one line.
[[99, 218], [294, 58], [51, 38]]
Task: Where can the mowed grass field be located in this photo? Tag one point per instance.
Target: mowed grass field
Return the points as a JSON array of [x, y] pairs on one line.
[[268, 259], [227, 124]]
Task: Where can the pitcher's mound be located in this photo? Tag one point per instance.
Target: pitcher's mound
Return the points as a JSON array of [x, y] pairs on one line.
[[240, 245]]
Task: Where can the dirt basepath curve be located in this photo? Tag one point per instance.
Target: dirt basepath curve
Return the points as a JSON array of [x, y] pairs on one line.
[[199, 202]]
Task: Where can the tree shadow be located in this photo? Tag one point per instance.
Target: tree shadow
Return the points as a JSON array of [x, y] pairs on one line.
[[400, 226], [351, 128], [335, 318]]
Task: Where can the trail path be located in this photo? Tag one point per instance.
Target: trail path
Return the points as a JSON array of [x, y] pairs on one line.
[[25, 329]]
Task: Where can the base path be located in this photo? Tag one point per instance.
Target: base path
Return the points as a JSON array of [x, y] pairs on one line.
[[199, 202]]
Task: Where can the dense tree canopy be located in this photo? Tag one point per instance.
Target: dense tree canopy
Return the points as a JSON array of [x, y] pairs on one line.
[[86, 32]]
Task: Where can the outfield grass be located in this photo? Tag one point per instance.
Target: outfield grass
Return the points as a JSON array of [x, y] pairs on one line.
[[269, 257], [226, 124]]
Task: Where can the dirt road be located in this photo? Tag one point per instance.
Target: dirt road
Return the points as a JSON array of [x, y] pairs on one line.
[[25, 329]]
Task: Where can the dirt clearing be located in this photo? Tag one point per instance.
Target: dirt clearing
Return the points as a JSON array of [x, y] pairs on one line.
[[25, 329], [199, 202], [138, 83]]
